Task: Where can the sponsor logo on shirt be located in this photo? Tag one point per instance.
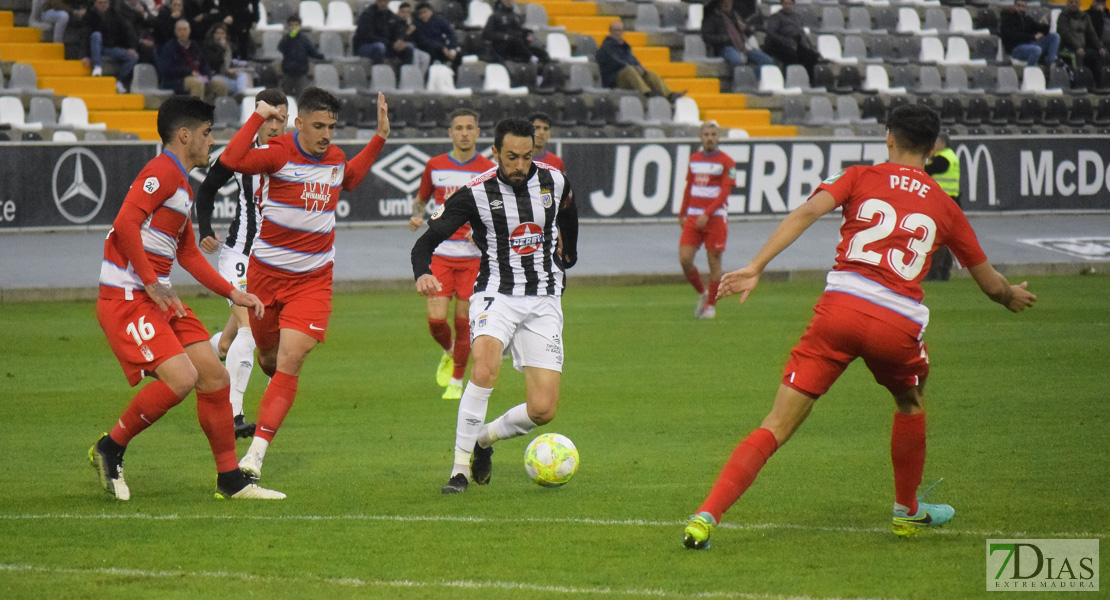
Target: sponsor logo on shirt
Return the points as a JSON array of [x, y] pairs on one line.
[[526, 238], [315, 196]]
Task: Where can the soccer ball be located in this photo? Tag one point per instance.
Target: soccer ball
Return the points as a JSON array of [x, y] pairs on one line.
[[551, 460]]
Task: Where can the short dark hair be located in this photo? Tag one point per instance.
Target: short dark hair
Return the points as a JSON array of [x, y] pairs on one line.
[[273, 97], [404, 5], [461, 112], [182, 111], [915, 128], [293, 19], [513, 126], [315, 99], [422, 5], [540, 116]]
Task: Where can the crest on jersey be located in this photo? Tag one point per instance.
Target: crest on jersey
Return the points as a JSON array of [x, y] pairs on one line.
[[334, 174], [482, 321], [147, 354], [526, 238], [545, 198], [833, 179], [150, 185]]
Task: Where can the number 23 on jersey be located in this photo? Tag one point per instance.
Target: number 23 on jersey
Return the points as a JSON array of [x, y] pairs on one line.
[[906, 240]]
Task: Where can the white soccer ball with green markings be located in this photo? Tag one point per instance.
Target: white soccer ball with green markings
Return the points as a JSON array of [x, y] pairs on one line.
[[551, 460]]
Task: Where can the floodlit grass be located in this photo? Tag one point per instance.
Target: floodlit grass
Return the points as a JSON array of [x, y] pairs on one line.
[[654, 399]]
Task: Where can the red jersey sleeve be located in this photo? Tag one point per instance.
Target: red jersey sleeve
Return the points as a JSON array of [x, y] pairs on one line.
[[840, 185], [239, 156], [427, 190], [358, 167], [686, 194], [963, 242], [149, 191]]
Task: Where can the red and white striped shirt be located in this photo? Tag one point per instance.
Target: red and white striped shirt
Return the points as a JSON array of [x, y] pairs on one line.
[[153, 229], [708, 184], [298, 210], [444, 175]]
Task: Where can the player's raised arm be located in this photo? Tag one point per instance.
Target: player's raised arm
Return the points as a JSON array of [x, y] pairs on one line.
[[239, 156], [744, 280]]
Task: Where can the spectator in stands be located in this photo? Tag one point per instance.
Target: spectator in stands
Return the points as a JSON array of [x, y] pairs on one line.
[[508, 38], [142, 16], [202, 15], [1080, 44], [1099, 18], [621, 69], [58, 13], [111, 36], [435, 36], [218, 55], [1025, 39], [296, 48], [244, 16], [749, 12], [379, 34], [726, 35], [786, 39], [183, 69], [167, 19]]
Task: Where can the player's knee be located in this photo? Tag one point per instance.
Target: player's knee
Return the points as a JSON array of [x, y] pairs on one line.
[[182, 380], [269, 368], [542, 415], [484, 374], [212, 379]]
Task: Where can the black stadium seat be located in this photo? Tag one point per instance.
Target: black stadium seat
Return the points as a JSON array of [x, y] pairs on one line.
[[951, 111], [1029, 112], [873, 107], [1055, 112], [978, 111], [1082, 113], [1004, 112]]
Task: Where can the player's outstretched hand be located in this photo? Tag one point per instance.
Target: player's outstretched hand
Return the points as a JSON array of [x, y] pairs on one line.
[[428, 285], [415, 222], [211, 244], [266, 110], [248, 301], [739, 282], [383, 117], [166, 298], [1020, 298]]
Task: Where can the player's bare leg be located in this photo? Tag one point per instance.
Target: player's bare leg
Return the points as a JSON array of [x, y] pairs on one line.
[[485, 367], [787, 414], [686, 256], [240, 363], [907, 455], [441, 333], [287, 360], [460, 350], [714, 260]]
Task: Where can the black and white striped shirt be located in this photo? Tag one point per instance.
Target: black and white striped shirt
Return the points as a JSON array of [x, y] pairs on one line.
[[517, 229], [244, 226]]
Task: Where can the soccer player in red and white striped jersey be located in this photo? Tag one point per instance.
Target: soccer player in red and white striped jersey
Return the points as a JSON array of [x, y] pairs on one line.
[[456, 260], [149, 329], [894, 218], [541, 122], [291, 266], [703, 215]]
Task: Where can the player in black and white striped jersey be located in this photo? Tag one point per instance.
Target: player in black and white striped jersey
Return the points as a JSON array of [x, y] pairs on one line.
[[526, 224], [235, 343]]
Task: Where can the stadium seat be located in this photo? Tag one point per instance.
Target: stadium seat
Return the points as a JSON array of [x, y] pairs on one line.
[[794, 111], [441, 80], [798, 77], [1082, 82], [961, 23], [885, 18], [647, 19], [928, 81], [631, 111], [279, 12], [1082, 113], [848, 81], [932, 51], [859, 19], [11, 113], [42, 110], [144, 80], [854, 47], [325, 76], [935, 18], [771, 82], [672, 15], [873, 107], [1004, 112], [354, 77], [1029, 112], [879, 81], [523, 74], [1102, 114], [955, 81], [340, 18], [404, 111], [535, 18], [821, 112], [694, 50], [1006, 81], [585, 45], [469, 75], [848, 111], [1055, 112], [265, 22], [1033, 82], [686, 111], [658, 111], [496, 81], [694, 15], [75, 114], [64, 136], [412, 81], [574, 112], [832, 20], [958, 53], [829, 48], [269, 50], [978, 111], [477, 13], [910, 22], [331, 46], [312, 15], [903, 76], [24, 79], [823, 77], [226, 115], [558, 48], [951, 111], [603, 112], [744, 80], [246, 107]]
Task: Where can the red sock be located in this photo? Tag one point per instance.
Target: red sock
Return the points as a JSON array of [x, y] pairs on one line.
[[907, 454], [462, 347], [740, 471], [145, 408], [276, 402], [694, 277], [713, 285], [214, 414], [441, 332]]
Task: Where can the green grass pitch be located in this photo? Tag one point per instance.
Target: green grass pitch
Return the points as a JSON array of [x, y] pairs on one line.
[[655, 401]]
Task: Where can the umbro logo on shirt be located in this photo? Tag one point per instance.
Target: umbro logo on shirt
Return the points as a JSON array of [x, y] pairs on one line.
[[496, 204]]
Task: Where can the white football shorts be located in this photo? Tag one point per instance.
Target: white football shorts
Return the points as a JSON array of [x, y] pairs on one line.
[[529, 327], [233, 268]]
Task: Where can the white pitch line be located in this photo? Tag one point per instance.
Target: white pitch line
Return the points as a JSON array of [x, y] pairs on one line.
[[357, 582], [566, 520]]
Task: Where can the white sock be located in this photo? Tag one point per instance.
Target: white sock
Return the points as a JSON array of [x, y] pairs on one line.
[[240, 363], [215, 341], [472, 415], [258, 447], [456, 381], [514, 423]]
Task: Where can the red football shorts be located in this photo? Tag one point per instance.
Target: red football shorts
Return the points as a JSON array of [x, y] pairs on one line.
[[143, 336], [837, 335], [301, 302], [713, 235], [456, 275]]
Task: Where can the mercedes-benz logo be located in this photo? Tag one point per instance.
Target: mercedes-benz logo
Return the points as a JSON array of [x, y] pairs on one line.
[[84, 195], [403, 168]]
